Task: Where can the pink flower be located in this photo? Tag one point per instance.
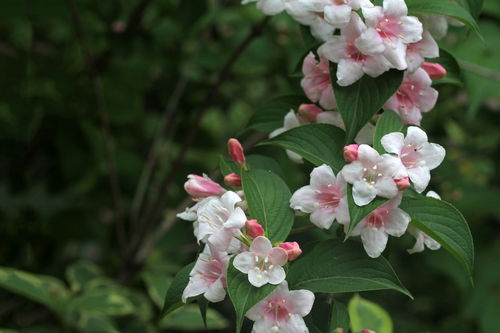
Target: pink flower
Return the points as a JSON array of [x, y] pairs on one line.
[[309, 112], [254, 229], [316, 82], [262, 262], [354, 58], [233, 180], [282, 311], [418, 156], [392, 27], [373, 175], [351, 152], [236, 151], [338, 12], [417, 52], [208, 276], [202, 187], [414, 96], [386, 220], [292, 248], [325, 198], [435, 71]]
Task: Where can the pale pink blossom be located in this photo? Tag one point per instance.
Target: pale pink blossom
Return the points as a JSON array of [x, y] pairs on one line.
[[418, 156], [233, 180], [437, 25], [416, 53], [386, 220], [268, 7], [208, 276], [235, 150], [202, 187], [292, 249], [391, 26], [262, 262], [302, 12], [351, 152], [253, 229], [282, 311], [414, 96], [325, 198], [316, 82], [355, 59], [422, 239], [220, 220], [435, 71], [309, 112], [373, 175], [337, 12]]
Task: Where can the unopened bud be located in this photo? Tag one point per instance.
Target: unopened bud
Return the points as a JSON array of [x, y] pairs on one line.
[[236, 151], [309, 112], [292, 248], [402, 183], [202, 187], [351, 153], [435, 71], [366, 330], [254, 229], [233, 180]]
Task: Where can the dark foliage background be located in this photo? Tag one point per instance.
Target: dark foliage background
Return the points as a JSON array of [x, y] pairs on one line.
[[106, 106]]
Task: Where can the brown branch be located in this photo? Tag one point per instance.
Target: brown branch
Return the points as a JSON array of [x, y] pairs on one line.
[[104, 123]]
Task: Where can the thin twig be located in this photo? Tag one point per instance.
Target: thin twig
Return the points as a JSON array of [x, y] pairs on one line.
[[479, 70], [104, 123]]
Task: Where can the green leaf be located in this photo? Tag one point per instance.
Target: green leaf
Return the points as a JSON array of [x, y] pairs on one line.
[[157, 285], [173, 298], [357, 213], [268, 199], [188, 318], [243, 295], [336, 267], [339, 316], [45, 290], [95, 322], [446, 8], [453, 71], [317, 143], [443, 222], [359, 102], [389, 122], [80, 273], [103, 301], [270, 115], [473, 6], [203, 307], [366, 314], [260, 162]]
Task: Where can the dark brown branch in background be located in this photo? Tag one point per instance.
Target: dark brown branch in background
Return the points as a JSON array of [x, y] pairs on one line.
[[104, 123], [136, 17]]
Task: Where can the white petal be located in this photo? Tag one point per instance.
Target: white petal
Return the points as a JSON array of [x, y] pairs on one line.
[[333, 49], [365, 135], [261, 246], [431, 243], [420, 178], [195, 287], [229, 199], [263, 325], [332, 118], [433, 194], [295, 324], [370, 42], [278, 256], [433, 155], [395, 8], [322, 176], [303, 199], [302, 301], [397, 222], [276, 275], [353, 171], [342, 212], [215, 292], [321, 30], [368, 155], [338, 16], [271, 7], [363, 193], [415, 136], [395, 52], [294, 157], [244, 262], [376, 65], [419, 243], [372, 15], [411, 29], [348, 72], [221, 239], [374, 241], [236, 220], [322, 218], [386, 187], [393, 142], [257, 278], [291, 121]]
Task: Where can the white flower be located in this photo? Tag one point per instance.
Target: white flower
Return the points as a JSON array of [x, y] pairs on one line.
[[262, 262], [422, 239], [386, 220], [219, 220], [268, 7], [208, 276], [325, 198], [418, 156], [373, 174], [290, 121], [338, 12], [354, 58], [391, 26], [282, 311], [302, 12], [416, 53]]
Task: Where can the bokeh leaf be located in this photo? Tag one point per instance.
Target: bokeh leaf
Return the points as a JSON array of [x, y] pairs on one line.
[[368, 315], [269, 116], [173, 298]]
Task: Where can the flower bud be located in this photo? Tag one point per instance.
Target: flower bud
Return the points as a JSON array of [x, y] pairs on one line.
[[309, 112], [202, 187], [366, 330], [435, 71], [254, 229], [351, 153], [402, 183], [292, 248], [236, 151], [233, 180]]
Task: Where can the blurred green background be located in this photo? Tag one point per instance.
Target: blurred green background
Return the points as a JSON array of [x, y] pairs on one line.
[[106, 106]]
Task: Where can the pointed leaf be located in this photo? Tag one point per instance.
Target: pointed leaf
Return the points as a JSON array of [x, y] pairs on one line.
[[173, 299], [339, 317], [389, 122], [453, 71], [270, 115], [368, 315]]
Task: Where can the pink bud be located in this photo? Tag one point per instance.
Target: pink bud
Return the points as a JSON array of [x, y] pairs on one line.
[[292, 248], [236, 151], [233, 180], [402, 183], [309, 112], [435, 71], [351, 153], [366, 330], [202, 187], [254, 229]]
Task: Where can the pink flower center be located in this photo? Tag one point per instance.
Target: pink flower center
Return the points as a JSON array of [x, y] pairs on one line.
[[277, 309], [410, 156], [212, 270], [377, 218], [408, 96], [389, 27], [354, 54], [329, 196]]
